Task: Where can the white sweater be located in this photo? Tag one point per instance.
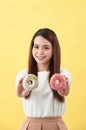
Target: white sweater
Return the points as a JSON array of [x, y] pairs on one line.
[[41, 102]]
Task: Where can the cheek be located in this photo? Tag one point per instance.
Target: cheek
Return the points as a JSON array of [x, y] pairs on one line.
[[33, 52], [50, 54]]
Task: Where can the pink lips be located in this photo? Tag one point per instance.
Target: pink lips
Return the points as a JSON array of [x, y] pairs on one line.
[[40, 57]]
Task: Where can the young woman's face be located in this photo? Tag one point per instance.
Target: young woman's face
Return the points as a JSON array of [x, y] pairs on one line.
[[42, 50]]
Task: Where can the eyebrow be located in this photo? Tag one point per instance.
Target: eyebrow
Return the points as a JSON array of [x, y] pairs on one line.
[[36, 44], [43, 45]]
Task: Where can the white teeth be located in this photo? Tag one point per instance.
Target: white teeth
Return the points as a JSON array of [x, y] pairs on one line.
[[40, 57]]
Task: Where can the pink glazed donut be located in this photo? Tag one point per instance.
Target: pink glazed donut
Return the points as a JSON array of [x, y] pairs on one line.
[[58, 82]]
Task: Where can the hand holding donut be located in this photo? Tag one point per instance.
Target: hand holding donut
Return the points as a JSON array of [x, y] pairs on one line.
[[30, 82], [59, 82]]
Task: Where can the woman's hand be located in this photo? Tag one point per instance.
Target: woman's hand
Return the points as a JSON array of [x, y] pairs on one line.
[[21, 92]]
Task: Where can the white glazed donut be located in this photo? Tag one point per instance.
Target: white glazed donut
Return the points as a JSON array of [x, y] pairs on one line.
[[30, 82]]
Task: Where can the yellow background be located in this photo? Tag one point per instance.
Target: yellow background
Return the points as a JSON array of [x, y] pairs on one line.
[[19, 19]]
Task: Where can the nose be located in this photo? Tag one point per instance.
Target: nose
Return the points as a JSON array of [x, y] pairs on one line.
[[41, 51]]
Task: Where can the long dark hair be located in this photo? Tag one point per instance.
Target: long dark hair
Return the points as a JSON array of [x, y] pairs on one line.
[[55, 60]]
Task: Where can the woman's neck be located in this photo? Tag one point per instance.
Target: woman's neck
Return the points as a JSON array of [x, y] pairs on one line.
[[43, 67]]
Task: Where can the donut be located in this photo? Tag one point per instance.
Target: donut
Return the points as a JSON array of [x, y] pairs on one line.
[[58, 82], [30, 82]]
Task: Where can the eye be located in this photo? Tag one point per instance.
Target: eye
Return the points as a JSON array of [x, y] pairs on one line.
[[46, 48], [36, 46]]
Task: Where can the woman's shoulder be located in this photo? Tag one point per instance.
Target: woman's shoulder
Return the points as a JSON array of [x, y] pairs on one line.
[[67, 74], [22, 73], [19, 75], [66, 71]]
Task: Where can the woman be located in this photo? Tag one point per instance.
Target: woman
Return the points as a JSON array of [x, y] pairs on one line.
[[43, 106]]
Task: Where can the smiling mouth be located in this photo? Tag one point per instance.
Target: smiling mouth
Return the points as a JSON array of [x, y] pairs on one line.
[[40, 57]]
